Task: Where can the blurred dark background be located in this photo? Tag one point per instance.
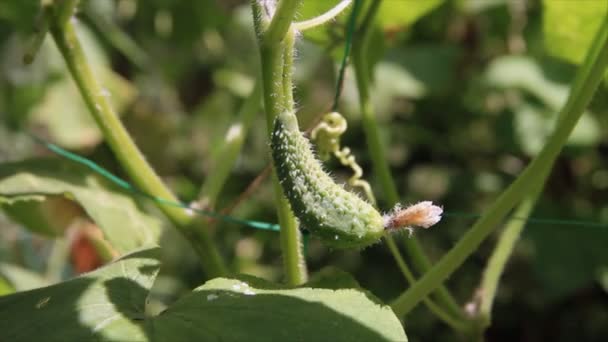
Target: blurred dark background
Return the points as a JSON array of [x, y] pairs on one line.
[[465, 95]]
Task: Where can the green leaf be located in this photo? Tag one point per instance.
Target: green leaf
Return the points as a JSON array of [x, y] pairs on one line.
[[5, 287], [125, 226], [109, 304], [399, 13], [330, 32], [333, 278], [63, 110], [250, 309], [534, 123], [392, 14], [567, 258], [21, 279], [19, 14], [524, 73], [569, 27], [45, 215]]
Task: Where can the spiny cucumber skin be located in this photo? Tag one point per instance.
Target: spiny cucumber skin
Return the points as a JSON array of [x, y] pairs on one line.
[[340, 218]]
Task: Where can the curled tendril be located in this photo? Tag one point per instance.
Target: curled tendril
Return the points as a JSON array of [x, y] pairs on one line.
[[326, 136]]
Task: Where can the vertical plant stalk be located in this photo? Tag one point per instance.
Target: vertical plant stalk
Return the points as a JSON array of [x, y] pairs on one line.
[[588, 77], [276, 40], [41, 29], [122, 145], [227, 154], [378, 155], [501, 254]]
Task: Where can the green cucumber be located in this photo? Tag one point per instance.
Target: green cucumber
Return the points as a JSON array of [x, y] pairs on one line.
[[338, 217]]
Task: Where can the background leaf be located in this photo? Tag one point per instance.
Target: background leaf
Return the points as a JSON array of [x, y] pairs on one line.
[[21, 279], [125, 226], [46, 215], [63, 110], [536, 112], [392, 15], [568, 258], [569, 26], [397, 13]]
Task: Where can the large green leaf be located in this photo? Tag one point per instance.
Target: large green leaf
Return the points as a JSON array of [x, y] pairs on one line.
[[250, 309], [125, 226], [569, 26], [392, 14], [109, 305]]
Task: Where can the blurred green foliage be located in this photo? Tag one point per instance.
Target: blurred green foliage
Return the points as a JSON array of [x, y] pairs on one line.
[[465, 96]]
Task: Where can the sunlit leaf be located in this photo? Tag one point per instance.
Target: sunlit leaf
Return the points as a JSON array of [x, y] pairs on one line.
[[109, 304], [569, 26], [46, 215], [392, 14], [125, 226], [254, 310], [63, 110], [533, 123], [398, 13]]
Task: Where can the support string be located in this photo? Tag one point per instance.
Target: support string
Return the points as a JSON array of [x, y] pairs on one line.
[[125, 185], [134, 190]]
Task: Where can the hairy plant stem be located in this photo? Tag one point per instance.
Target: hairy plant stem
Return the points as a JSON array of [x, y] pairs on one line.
[[588, 77], [123, 146], [378, 155], [276, 39]]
